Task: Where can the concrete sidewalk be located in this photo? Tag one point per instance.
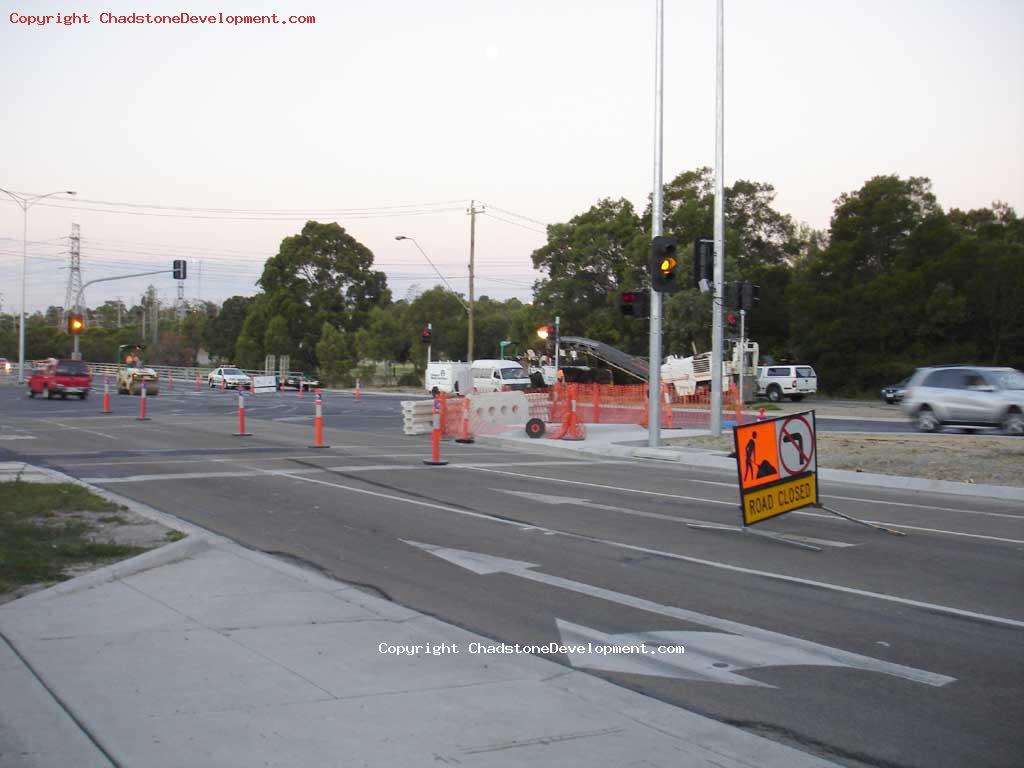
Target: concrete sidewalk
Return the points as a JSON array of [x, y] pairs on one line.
[[203, 653]]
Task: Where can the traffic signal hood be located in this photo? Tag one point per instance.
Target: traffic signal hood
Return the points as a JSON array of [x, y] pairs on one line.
[[179, 269], [76, 323], [664, 265], [634, 304]]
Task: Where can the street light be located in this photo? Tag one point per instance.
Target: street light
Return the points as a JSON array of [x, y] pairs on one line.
[[26, 202], [443, 278]]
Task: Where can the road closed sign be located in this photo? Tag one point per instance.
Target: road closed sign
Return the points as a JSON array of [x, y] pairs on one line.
[[777, 465]]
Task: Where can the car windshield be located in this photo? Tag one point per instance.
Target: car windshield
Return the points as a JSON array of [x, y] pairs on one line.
[[512, 373], [72, 368], [1009, 379], [232, 372]]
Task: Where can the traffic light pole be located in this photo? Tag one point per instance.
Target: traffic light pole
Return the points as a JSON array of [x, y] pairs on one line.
[[75, 354], [716, 315], [657, 203]]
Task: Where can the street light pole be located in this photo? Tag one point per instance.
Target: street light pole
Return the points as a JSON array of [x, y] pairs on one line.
[[25, 202]]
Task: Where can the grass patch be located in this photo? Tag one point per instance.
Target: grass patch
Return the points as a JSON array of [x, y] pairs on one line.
[[175, 535], [39, 539]]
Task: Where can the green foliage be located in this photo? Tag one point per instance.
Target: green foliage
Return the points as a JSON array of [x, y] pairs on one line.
[[277, 340], [337, 354], [322, 275]]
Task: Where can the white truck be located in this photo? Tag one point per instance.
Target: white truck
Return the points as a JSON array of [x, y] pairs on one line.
[[689, 374]]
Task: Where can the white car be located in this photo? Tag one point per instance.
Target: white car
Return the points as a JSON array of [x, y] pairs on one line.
[[230, 378], [792, 381]]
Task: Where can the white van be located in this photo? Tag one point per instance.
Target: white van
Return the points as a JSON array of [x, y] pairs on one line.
[[495, 375], [449, 377]]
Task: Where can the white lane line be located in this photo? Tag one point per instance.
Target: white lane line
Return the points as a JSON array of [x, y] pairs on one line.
[[914, 528], [255, 472], [673, 556], [80, 429], [732, 503], [208, 459]]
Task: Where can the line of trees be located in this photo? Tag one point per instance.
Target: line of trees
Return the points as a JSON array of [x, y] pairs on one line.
[[894, 283]]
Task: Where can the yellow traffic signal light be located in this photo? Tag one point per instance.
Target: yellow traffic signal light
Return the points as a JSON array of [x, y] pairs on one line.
[[76, 324], [664, 265]]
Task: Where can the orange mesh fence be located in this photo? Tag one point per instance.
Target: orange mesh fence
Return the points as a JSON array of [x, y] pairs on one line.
[[454, 417]]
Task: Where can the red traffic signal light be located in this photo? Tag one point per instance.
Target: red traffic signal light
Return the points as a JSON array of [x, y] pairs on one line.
[[633, 303], [426, 336], [76, 323]]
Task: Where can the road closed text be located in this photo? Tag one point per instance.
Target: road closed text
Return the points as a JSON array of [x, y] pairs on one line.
[[780, 498], [183, 18]]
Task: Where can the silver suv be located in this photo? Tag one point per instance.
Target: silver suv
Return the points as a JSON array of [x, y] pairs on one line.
[[966, 396]]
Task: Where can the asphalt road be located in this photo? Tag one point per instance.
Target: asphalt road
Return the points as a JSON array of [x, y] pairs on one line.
[[878, 650]]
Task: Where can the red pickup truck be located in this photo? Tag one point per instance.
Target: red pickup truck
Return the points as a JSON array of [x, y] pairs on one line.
[[61, 377]]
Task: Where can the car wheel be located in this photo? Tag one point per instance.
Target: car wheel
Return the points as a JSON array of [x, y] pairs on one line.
[[535, 428], [1014, 423], [63, 395], [926, 420], [49, 394], [31, 393], [774, 393]]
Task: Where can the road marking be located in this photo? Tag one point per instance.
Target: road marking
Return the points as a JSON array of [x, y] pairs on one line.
[[732, 504], [79, 429], [728, 503], [18, 437], [545, 498], [754, 646], [255, 472], [919, 528], [671, 555], [926, 506]]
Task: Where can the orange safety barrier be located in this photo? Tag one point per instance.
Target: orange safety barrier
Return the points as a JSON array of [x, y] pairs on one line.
[[572, 426]]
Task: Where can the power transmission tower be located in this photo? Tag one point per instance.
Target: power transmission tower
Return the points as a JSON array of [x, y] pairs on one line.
[[74, 277]]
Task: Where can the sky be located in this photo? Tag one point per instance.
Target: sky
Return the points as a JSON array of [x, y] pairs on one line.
[[212, 142]]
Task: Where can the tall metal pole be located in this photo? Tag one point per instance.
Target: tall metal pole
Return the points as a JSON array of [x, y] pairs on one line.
[[743, 350], [654, 365], [24, 272], [716, 317], [472, 248], [26, 202]]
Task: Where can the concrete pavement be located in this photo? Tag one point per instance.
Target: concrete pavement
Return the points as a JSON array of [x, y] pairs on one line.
[[204, 653]]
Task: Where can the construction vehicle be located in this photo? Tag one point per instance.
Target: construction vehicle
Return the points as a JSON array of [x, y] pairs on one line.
[[132, 375]]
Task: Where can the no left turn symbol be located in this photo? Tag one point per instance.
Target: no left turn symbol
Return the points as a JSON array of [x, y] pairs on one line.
[[796, 446]]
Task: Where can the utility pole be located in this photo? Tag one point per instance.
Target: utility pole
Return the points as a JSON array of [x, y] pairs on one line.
[[74, 278], [654, 364], [716, 313], [119, 306], [472, 255]]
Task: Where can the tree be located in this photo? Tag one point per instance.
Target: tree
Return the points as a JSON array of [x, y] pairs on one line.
[[589, 261], [322, 275], [337, 355], [277, 340], [223, 330]]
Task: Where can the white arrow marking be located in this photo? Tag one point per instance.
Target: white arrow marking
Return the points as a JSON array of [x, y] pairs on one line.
[[547, 498], [784, 646]]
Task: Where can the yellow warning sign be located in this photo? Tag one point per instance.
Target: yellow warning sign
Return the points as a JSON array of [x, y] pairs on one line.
[[780, 498], [757, 452]]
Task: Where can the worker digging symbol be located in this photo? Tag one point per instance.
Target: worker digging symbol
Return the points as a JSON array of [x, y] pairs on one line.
[[751, 467]]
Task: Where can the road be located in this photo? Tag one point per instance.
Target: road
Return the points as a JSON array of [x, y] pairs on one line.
[[877, 651]]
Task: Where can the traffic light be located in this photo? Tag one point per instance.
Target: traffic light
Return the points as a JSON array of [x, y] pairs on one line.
[[703, 263], [546, 331], [179, 269], [76, 323], [732, 295], [634, 304], [750, 295], [427, 336], [664, 265], [731, 324]]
